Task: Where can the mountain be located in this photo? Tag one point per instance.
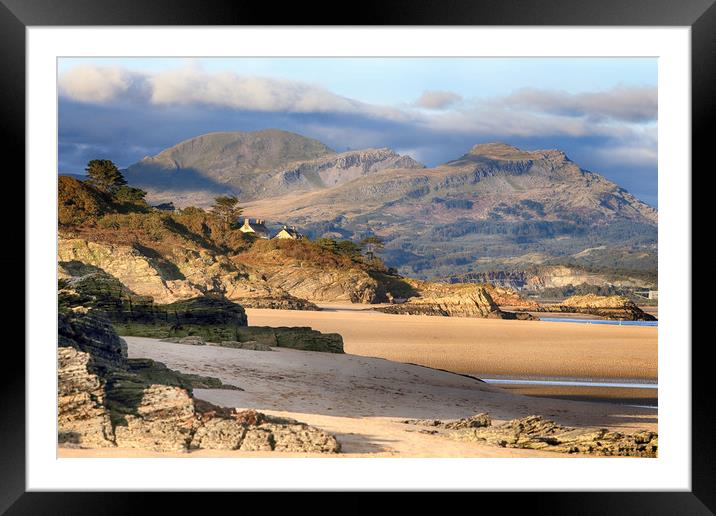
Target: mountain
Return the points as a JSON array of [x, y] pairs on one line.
[[496, 207], [253, 165]]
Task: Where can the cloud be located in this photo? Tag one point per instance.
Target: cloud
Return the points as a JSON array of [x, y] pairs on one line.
[[190, 85], [620, 103], [437, 99], [89, 83]]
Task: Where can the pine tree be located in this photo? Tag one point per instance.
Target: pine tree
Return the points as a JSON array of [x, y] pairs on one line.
[[371, 244], [104, 175], [226, 209]]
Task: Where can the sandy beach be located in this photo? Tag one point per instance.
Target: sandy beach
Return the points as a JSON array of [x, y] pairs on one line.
[[484, 347], [399, 367]]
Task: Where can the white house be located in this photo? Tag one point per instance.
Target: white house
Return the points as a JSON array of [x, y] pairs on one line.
[[289, 232]]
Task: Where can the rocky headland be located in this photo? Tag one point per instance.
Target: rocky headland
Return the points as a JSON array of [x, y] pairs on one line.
[[178, 275], [263, 277]]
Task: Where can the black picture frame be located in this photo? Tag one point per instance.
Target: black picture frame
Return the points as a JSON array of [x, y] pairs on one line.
[[16, 15]]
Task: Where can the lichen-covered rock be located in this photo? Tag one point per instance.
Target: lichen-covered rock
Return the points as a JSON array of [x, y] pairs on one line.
[[82, 416], [250, 345], [302, 438], [219, 434], [308, 339], [503, 297], [105, 295], [457, 300], [610, 307], [258, 439], [91, 334], [249, 430], [538, 433], [298, 337], [139, 272], [476, 421], [192, 340], [163, 420]]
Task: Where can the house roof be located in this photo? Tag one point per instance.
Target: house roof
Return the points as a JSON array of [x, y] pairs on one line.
[[257, 227], [291, 231]]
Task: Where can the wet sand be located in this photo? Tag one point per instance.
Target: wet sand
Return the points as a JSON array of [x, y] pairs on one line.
[[628, 396], [484, 347]]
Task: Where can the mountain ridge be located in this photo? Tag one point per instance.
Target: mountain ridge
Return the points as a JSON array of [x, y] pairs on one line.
[[494, 202]]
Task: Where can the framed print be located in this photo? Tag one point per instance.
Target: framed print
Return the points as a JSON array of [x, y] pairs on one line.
[[419, 252]]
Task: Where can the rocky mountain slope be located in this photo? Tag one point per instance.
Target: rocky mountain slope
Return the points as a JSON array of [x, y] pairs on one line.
[[254, 165], [540, 277], [492, 205]]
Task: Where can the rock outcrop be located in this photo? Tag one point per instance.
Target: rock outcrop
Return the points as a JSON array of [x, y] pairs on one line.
[[251, 345], [82, 413], [140, 273], [299, 337], [107, 400], [477, 421], [194, 321], [504, 297], [212, 318], [317, 284], [183, 274], [456, 300], [538, 433], [216, 274], [610, 307]]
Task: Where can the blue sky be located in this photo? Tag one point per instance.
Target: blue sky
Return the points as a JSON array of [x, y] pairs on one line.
[[600, 111]]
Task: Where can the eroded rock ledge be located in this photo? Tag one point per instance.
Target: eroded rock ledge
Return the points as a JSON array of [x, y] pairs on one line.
[[610, 307], [108, 400], [201, 319], [458, 300], [538, 433]]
